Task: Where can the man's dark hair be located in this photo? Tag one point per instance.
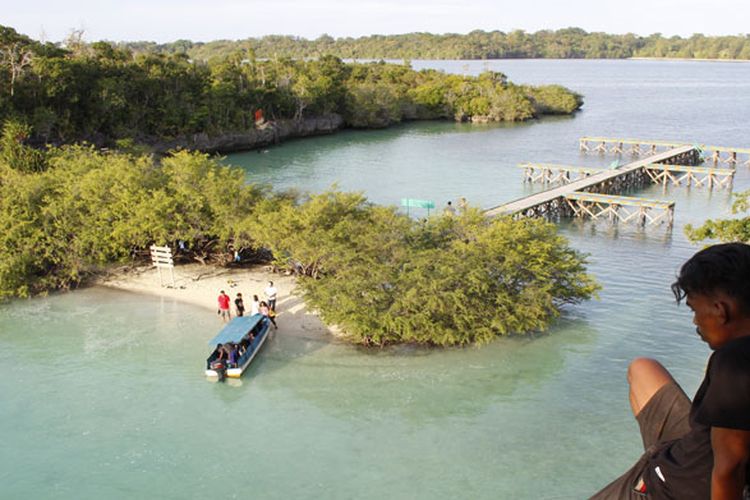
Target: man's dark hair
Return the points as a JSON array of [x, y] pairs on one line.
[[724, 267]]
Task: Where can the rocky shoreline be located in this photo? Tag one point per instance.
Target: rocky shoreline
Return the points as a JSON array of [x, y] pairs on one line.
[[272, 132]]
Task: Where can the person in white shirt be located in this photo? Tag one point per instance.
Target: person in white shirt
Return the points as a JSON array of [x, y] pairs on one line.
[[270, 293], [255, 306]]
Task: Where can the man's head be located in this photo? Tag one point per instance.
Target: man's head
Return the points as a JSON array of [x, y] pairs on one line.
[[270, 283], [716, 283]]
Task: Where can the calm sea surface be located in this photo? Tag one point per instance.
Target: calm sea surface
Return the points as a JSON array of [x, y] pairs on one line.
[[102, 394]]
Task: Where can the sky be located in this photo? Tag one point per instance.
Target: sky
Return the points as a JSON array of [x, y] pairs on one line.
[[206, 20]]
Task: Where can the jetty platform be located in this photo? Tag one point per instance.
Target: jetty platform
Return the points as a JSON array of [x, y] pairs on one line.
[[568, 199], [637, 147]]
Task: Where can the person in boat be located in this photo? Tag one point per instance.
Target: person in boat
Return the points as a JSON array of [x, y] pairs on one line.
[[698, 449], [239, 305], [232, 355], [268, 313], [218, 358]]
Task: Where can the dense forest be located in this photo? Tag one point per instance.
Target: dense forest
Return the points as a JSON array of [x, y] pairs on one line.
[[102, 93], [570, 43]]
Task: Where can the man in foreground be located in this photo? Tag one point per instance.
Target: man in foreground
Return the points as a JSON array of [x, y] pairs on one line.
[[698, 450]]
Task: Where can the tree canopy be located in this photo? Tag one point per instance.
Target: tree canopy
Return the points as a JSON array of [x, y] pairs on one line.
[[567, 43], [102, 93], [726, 230], [378, 274]]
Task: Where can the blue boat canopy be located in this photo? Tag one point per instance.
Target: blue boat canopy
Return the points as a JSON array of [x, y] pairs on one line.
[[236, 329]]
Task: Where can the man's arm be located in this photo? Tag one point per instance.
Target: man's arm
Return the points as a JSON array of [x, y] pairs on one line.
[[731, 449]]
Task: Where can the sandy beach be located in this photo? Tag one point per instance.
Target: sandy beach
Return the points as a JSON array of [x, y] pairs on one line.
[[200, 285]]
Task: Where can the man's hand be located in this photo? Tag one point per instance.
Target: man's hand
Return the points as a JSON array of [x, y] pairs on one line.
[[731, 449]]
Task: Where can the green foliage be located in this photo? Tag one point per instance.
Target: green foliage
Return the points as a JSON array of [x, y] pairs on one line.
[[380, 275], [384, 278], [554, 100], [568, 43], [14, 153], [104, 94], [726, 229], [89, 209], [370, 105]]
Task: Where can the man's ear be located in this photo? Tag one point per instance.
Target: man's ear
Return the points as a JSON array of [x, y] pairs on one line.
[[726, 309]]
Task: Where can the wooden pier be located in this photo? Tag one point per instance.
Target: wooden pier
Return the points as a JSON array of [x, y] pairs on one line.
[[637, 147], [582, 197], [675, 175], [620, 208]]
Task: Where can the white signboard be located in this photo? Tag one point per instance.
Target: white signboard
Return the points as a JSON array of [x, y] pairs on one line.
[[161, 257]]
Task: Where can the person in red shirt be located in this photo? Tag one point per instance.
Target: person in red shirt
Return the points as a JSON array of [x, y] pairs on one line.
[[224, 306]]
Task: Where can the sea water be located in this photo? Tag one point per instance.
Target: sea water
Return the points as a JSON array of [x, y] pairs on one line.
[[102, 393]]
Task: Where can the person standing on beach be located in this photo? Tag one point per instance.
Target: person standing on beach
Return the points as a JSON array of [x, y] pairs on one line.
[[270, 293], [698, 450], [239, 305], [255, 306], [224, 306]]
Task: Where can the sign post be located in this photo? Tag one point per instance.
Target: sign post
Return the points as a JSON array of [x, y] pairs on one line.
[[161, 257], [410, 202]]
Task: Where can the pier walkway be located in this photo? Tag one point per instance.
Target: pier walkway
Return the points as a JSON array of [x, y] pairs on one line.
[[604, 182]]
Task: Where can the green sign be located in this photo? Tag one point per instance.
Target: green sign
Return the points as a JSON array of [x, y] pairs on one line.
[[412, 203], [409, 202]]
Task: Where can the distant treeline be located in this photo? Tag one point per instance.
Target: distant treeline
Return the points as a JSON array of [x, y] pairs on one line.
[[103, 93], [569, 43]]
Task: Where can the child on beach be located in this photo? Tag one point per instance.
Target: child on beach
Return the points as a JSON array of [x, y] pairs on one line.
[[269, 313]]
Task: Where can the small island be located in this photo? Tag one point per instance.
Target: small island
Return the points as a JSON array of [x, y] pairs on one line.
[[115, 97]]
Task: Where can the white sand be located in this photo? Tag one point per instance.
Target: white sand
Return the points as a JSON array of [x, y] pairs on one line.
[[200, 285]]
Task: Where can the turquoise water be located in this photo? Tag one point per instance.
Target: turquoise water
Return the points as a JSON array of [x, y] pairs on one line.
[[102, 394]]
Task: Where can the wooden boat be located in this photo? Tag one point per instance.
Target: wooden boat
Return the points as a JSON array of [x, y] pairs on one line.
[[243, 336]]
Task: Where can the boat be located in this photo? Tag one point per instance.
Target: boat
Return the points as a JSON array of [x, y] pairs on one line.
[[244, 335]]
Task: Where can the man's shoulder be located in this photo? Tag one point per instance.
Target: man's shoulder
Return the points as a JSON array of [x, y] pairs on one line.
[[734, 352]]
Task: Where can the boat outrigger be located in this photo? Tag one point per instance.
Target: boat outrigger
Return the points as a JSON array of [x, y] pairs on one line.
[[236, 346]]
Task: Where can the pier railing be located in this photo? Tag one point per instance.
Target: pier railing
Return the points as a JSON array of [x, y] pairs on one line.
[[637, 147]]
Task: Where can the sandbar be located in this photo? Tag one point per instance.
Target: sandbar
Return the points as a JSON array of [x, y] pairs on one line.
[[200, 285]]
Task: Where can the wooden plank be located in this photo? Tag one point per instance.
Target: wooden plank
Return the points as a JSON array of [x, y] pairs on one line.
[[704, 147], [688, 168], [619, 200], [565, 168]]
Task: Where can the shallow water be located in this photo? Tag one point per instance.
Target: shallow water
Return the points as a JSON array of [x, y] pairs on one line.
[[101, 392]]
